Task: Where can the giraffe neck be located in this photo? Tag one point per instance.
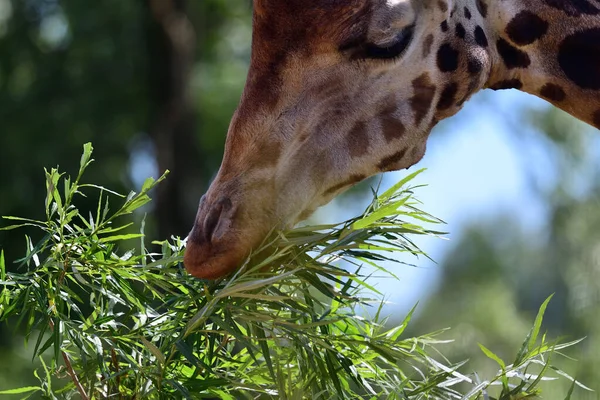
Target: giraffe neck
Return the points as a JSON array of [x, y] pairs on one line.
[[548, 48]]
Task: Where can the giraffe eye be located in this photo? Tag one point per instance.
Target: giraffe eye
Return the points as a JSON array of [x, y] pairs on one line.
[[391, 50]]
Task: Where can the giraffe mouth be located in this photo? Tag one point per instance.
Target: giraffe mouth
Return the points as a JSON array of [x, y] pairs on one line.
[[206, 261], [213, 248], [223, 236]]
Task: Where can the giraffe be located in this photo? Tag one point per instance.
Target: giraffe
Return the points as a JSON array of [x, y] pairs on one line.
[[340, 90]]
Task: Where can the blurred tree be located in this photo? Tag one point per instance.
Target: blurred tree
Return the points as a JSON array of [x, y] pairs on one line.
[[70, 73], [171, 39], [125, 76]]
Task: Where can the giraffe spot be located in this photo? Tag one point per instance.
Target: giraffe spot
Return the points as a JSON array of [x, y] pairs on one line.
[[358, 139], [460, 31], [579, 58], [507, 84], [390, 163], [427, 45], [480, 37], [447, 58], [512, 57], [468, 13], [392, 127], [444, 26], [526, 27], [474, 66], [448, 96], [573, 8], [443, 5], [348, 182], [596, 119], [482, 8], [553, 92], [424, 92]]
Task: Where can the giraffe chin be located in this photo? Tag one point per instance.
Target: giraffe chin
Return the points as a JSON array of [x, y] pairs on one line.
[[210, 263]]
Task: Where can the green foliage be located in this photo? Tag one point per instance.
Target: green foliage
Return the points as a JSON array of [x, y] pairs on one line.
[[107, 320]]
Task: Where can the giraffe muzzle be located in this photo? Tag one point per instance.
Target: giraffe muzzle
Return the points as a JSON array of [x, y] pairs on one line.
[[213, 248]]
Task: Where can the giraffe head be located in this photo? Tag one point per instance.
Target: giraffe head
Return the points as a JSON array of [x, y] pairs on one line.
[[337, 91]]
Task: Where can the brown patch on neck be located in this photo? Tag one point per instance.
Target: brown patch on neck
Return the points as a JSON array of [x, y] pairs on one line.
[[358, 140], [553, 92], [424, 92], [390, 163], [448, 96], [482, 7], [392, 127]]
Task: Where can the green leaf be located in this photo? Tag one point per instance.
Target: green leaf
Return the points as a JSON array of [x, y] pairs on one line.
[[394, 189], [2, 267], [222, 395], [383, 212], [154, 350], [262, 341], [571, 390], [85, 157], [57, 336], [538, 323], [21, 390], [492, 356], [395, 333], [148, 184], [119, 238]]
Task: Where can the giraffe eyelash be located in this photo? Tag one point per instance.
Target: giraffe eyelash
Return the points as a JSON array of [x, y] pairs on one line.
[[391, 51]]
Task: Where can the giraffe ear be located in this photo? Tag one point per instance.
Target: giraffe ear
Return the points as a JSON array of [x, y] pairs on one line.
[[390, 17]]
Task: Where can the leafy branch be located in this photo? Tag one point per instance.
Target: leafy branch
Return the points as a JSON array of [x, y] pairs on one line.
[[132, 324]]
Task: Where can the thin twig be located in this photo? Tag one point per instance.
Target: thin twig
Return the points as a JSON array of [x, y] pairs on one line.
[[74, 377]]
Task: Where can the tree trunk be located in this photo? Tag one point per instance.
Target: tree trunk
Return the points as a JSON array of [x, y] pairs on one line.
[[171, 44]]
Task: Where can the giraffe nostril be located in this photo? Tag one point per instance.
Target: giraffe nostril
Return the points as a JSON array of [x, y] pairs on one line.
[[210, 224], [214, 216]]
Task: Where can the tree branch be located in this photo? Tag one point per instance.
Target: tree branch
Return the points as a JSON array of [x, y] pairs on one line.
[[74, 376], [71, 371]]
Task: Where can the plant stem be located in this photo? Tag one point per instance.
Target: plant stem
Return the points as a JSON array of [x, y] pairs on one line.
[[74, 377], [70, 370]]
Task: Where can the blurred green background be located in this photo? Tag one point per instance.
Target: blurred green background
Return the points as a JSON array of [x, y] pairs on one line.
[[153, 83]]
